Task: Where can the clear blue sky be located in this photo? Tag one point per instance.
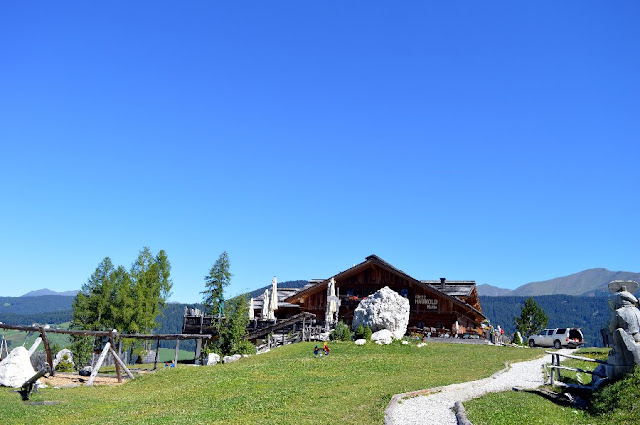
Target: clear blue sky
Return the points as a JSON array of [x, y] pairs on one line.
[[494, 141]]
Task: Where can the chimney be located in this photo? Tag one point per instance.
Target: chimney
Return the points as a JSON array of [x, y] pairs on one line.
[[442, 281]]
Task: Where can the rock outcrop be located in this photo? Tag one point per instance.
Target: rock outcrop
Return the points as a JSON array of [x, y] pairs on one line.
[[382, 337], [231, 359], [16, 368], [385, 309], [212, 359]]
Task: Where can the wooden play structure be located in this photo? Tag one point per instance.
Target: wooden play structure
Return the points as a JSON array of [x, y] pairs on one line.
[[108, 348]]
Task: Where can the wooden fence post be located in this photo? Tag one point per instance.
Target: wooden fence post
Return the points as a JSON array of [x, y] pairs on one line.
[[155, 363], [112, 341]]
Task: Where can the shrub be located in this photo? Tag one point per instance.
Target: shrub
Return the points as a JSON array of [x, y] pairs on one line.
[[64, 365], [359, 333], [367, 333], [340, 333], [517, 339], [245, 347]]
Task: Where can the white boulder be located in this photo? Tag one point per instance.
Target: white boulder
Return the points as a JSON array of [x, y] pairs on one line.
[[382, 337], [60, 355], [385, 309], [361, 341], [16, 368], [212, 359], [231, 359]]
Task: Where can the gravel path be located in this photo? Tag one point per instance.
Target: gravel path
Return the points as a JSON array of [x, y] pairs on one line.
[[436, 408]]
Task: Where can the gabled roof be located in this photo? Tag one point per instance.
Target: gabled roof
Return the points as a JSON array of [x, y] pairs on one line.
[[283, 294], [458, 288]]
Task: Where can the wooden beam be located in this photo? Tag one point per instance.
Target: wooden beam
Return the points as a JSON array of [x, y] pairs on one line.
[[571, 356], [47, 349], [98, 364], [577, 369], [167, 336], [106, 333], [50, 330], [111, 340], [35, 345], [155, 362], [121, 363]]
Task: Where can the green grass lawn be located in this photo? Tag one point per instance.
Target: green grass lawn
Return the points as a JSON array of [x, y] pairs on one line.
[[513, 408], [285, 386]]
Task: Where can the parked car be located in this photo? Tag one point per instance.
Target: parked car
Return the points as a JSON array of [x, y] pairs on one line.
[[557, 338]]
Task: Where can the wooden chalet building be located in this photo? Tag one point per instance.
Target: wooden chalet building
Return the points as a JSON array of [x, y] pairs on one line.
[[437, 304]]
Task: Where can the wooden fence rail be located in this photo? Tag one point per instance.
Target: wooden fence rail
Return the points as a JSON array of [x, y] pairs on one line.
[[111, 335]]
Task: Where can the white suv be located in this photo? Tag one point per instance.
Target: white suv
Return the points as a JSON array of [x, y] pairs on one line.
[[557, 338]]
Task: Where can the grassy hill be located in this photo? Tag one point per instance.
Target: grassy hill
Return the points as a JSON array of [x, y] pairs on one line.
[[285, 386]]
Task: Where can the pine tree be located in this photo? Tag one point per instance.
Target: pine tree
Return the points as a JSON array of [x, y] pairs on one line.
[[532, 318], [359, 333]]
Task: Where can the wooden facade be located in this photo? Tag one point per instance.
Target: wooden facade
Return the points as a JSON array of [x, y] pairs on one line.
[[436, 304]]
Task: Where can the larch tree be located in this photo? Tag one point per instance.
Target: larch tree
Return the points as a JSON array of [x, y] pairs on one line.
[[218, 278], [129, 301]]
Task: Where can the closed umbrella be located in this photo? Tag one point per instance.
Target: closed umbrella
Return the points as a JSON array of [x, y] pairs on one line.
[[274, 296], [265, 304], [332, 305]]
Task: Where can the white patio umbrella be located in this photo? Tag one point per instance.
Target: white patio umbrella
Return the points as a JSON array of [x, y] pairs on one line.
[[265, 304], [332, 305], [274, 296], [251, 313]]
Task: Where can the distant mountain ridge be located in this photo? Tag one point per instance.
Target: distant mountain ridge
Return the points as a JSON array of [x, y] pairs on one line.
[[45, 292], [492, 291], [591, 282]]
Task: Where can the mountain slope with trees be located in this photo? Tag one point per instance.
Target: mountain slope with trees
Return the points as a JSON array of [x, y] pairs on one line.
[[591, 282], [587, 313]]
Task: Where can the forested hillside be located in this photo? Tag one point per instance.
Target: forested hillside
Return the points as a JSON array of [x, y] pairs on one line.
[[34, 305], [587, 313]]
